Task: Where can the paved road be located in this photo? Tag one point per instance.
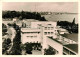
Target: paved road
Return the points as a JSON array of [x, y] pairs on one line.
[[13, 33]]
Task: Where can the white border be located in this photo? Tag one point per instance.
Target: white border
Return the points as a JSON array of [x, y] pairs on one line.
[[39, 0], [35, 1]]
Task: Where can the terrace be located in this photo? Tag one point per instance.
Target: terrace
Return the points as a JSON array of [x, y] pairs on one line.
[[65, 40]]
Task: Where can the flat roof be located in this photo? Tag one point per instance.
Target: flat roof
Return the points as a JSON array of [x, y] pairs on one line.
[[73, 47], [30, 30]]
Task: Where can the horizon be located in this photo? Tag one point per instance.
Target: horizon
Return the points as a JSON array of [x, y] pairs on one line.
[[55, 7], [41, 11], [71, 7]]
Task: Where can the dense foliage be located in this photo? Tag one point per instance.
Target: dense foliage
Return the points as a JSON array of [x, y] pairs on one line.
[[49, 51], [32, 46], [28, 48], [4, 28], [16, 48], [70, 26], [22, 15], [6, 45]]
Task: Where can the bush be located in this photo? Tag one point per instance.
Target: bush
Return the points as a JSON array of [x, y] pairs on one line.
[[16, 48], [49, 51], [28, 48], [6, 45]]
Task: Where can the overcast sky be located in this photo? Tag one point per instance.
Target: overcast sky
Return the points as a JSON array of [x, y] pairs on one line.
[[42, 6]]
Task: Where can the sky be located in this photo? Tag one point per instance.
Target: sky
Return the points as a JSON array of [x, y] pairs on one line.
[[41, 6]]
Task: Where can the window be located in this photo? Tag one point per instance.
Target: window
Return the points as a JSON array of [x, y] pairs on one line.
[[51, 28], [51, 32], [45, 28], [27, 36], [31, 36], [48, 28], [48, 32], [45, 33], [49, 24], [38, 32]]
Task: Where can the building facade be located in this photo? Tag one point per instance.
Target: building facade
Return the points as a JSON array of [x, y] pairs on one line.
[[42, 32]]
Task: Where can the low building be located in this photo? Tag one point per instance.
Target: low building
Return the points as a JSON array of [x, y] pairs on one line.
[[31, 35], [37, 30]]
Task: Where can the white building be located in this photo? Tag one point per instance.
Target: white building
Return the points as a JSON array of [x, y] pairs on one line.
[[42, 32], [38, 32], [43, 28], [31, 35], [48, 34]]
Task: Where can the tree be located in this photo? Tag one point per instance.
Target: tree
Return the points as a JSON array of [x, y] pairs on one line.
[[8, 41], [28, 48], [49, 51], [43, 19], [73, 21], [4, 28], [70, 26], [16, 48], [6, 45], [23, 15], [9, 24]]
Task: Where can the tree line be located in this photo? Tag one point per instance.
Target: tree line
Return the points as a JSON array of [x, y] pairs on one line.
[[22, 15], [70, 26]]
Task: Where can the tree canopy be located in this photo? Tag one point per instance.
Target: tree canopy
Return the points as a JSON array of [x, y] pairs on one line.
[[16, 48], [70, 26], [22, 15], [49, 51]]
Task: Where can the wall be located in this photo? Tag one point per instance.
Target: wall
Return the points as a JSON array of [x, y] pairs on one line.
[[31, 36], [55, 45]]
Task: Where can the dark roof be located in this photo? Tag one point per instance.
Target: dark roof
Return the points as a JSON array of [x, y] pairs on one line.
[[73, 37], [73, 47]]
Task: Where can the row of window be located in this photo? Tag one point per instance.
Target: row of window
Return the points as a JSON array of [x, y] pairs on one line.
[[48, 33], [30, 32], [49, 28]]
